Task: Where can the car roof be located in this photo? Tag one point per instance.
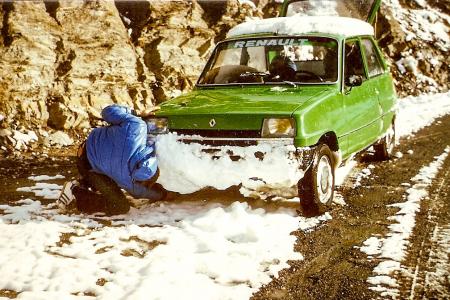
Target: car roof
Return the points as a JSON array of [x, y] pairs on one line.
[[298, 25]]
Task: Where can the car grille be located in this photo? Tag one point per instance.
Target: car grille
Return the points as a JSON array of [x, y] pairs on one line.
[[224, 137], [220, 133]]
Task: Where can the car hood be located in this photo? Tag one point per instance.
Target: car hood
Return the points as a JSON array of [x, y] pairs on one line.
[[236, 108]]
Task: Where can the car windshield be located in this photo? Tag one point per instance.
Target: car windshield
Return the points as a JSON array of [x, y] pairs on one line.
[[308, 60]]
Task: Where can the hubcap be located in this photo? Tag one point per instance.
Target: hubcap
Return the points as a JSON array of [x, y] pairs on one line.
[[324, 179]]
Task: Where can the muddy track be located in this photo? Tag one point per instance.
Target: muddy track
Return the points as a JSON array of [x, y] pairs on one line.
[[333, 268]]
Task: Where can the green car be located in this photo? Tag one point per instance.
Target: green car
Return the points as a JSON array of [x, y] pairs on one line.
[[314, 89]]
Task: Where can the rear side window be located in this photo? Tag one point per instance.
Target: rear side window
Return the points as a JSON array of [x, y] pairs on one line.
[[373, 60], [353, 61]]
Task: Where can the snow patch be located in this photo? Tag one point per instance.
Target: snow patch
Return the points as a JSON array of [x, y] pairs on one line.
[[398, 154], [46, 177], [343, 171], [315, 8], [409, 64], [414, 113], [45, 190], [23, 139], [59, 138], [363, 174]]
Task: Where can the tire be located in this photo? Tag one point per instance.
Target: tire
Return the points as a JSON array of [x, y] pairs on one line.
[[385, 148], [316, 189]]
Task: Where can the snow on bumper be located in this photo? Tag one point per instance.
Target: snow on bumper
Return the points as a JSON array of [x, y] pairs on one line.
[[270, 165]]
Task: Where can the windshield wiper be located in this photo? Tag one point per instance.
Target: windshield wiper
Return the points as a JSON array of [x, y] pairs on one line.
[[290, 83], [264, 75], [285, 81], [254, 74]]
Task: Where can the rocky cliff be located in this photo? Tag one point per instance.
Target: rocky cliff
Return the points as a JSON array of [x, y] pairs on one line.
[[61, 62]]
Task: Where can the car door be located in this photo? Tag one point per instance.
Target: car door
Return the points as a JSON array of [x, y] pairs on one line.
[[380, 79], [362, 109]]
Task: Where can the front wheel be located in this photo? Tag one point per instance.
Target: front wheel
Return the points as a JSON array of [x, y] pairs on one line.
[[316, 189]]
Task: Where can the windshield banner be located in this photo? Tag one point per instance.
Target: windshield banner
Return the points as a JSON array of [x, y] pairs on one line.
[[270, 42]]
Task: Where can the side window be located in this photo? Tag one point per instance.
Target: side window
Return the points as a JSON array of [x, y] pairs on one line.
[[373, 60], [353, 61]]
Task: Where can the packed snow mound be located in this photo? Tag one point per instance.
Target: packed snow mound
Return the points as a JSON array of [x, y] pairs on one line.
[[187, 168], [298, 24]]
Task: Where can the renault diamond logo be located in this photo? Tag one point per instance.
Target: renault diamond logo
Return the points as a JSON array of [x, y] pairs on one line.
[[212, 123]]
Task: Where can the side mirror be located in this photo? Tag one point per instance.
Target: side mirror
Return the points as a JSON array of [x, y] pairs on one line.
[[354, 80]]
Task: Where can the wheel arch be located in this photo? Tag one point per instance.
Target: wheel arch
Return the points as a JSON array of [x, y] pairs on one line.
[[330, 138]]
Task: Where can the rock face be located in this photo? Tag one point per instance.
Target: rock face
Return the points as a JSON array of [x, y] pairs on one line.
[[62, 62], [175, 35], [28, 52], [60, 66], [96, 64]]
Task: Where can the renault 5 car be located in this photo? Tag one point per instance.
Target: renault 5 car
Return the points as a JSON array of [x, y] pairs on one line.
[[314, 85]]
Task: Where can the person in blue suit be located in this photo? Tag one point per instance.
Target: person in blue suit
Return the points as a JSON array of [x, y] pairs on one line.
[[114, 157]]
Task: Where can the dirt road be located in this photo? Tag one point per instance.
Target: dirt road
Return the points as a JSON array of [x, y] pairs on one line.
[[334, 267]]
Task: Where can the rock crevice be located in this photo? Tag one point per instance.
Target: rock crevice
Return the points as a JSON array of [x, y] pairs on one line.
[[6, 9]]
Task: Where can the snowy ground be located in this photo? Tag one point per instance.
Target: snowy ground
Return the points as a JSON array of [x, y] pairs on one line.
[[167, 250]]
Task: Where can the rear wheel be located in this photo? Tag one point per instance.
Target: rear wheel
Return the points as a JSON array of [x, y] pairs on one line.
[[316, 189], [385, 148]]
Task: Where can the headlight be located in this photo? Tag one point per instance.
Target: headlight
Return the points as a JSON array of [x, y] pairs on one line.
[[157, 125], [278, 127]]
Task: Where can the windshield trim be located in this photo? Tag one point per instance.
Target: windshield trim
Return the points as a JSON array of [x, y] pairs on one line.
[[267, 84], [210, 61]]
